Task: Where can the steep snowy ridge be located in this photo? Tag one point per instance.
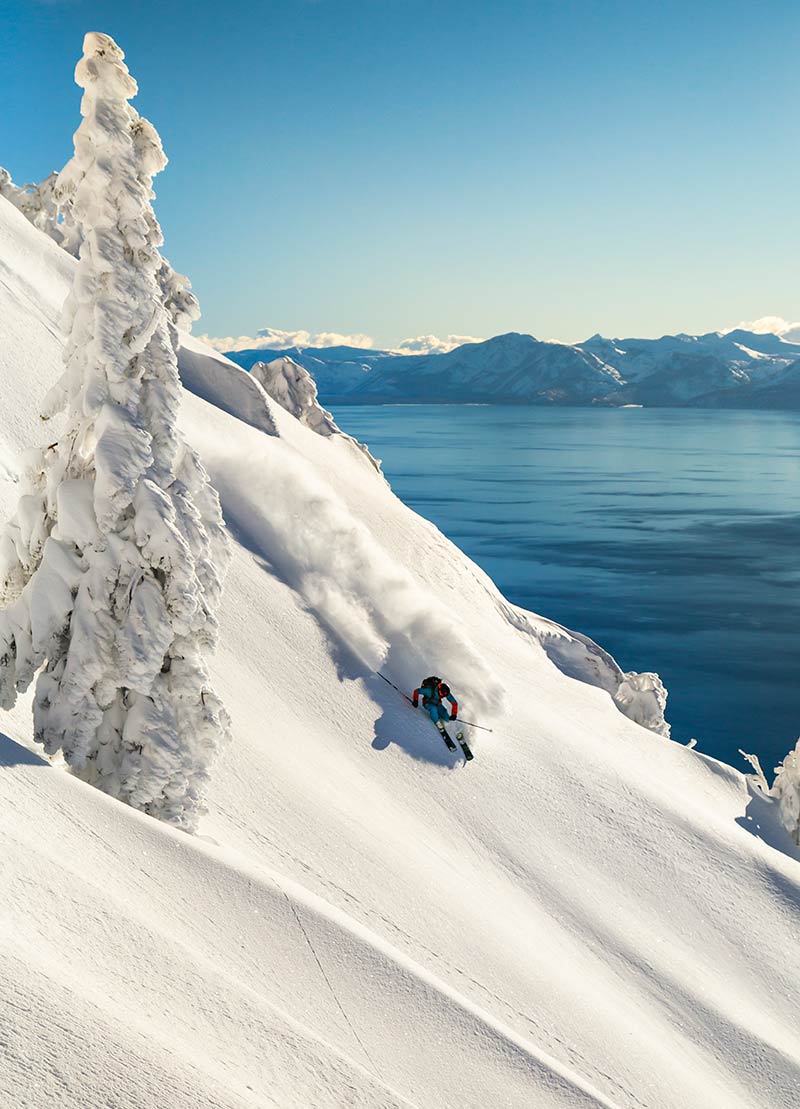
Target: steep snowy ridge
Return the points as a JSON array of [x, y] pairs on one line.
[[588, 914], [224, 384]]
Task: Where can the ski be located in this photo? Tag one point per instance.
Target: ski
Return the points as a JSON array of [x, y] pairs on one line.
[[451, 746], [465, 747], [443, 732]]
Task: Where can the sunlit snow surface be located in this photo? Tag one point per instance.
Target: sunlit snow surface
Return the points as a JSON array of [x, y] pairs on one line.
[[586, 915]]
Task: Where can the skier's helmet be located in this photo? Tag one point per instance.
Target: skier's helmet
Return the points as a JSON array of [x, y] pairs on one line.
[[444, 689]]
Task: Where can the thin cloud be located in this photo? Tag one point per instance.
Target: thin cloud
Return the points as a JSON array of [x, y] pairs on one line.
[[771, 325], [272, 338], [432, 344]]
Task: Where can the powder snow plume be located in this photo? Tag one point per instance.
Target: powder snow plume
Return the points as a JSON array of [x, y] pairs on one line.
[[278, 505]]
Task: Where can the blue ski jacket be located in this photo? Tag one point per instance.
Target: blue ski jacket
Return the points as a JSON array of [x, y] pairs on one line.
[[431, 696]]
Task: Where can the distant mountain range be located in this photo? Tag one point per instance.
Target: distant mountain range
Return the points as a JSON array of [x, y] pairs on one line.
[[734, 369]]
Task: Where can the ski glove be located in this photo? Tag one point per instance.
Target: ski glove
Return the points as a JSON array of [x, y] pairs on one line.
[[453, 715]]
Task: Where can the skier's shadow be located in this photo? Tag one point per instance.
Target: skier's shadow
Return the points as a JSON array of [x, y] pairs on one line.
[[399, 722], [409, 728]]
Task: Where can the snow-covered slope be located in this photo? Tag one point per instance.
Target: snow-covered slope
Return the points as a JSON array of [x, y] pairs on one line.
[[588, 914], [224, 384]]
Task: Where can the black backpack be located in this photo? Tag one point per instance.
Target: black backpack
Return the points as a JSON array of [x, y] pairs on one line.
[[431, 683]]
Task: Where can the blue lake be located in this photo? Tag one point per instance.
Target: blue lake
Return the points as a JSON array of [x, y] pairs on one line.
[[670, 536]]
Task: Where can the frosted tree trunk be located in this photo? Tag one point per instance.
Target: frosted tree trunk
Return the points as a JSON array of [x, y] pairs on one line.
[[111, 566]]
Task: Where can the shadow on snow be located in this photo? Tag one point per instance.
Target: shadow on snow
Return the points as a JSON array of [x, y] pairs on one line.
[[761, 820], [14, 754]]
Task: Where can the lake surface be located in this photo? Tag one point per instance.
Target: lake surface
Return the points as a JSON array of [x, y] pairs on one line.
[[670, 536]]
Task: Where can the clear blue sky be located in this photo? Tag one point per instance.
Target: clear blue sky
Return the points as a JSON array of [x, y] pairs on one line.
[[399, 167]]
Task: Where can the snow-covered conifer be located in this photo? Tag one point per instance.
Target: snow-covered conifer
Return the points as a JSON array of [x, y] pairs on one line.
[[111, 566]]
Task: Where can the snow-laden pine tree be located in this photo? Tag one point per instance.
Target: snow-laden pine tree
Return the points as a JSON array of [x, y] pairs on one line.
[[111, 567]]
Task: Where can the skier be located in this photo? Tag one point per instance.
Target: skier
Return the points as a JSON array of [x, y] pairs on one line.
[[433, 690]]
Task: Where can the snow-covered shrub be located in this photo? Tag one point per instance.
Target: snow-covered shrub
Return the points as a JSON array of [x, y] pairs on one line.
[[643, 698], [111, 564], [786, 788], [758, 778], [294, 389], [38, 204]]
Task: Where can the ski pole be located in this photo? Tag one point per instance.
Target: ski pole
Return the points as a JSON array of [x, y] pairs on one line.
[[471, 725], [394, 686]]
